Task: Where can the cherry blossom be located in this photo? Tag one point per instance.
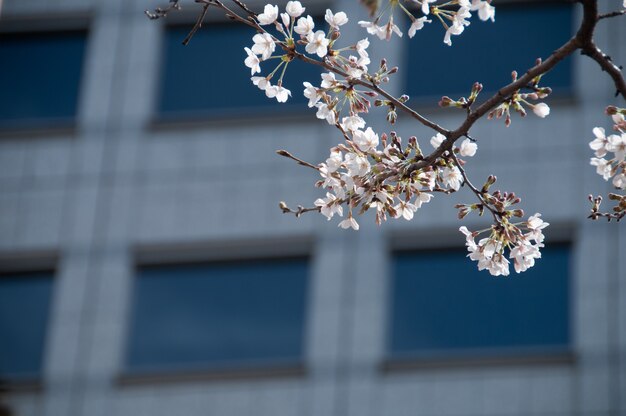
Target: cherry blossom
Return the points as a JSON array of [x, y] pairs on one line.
[[335, 20], [317, 43], [304, 26], [294, 8], [269, 15], [252, 62], [263, 45]]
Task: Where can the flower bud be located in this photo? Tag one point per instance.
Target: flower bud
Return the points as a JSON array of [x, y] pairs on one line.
[[610, 110], [445, 101]]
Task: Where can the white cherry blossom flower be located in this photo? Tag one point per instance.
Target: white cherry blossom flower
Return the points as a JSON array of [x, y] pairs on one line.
[[417, 24], [468, 148], [389, 29], [485, 10], [437, 139], [357, 165], [617, 145], [599, 143], [361, 47], [325, 113], [603, 167], [422, 198], [310, 92], [524, 255], [366, 140], [373, 29], [269, 15], [294, 8], [451, 177], [261, 82], [286, 19], [263, 45], [426, 6], [282, 94], [335, 20], [619, 181], [352, 123], [405, 210], [541, 109], [455, 28], [252, 62], [349, 222], [328, 80], [535, 222], [317, 43], [329, 206], [334, 161], [304, 26]]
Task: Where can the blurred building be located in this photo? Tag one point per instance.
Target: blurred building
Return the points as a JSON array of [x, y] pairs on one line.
[[147, 270]]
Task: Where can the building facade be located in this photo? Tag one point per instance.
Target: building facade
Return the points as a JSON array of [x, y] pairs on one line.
[[147, 270]]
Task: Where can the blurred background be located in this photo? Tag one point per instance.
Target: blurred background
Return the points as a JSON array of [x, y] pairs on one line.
[[145, 268]]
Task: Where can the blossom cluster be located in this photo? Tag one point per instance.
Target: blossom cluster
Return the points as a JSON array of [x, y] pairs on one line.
[[300, 30], [523, 242], [610, 151], [372, 172], [453, 15]]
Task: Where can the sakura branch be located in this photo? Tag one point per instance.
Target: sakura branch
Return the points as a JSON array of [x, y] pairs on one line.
[[375, 172]]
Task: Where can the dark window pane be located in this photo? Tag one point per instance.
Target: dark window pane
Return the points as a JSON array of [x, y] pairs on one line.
[[443, 305], [208, 78], [24, 306], [218, 315], [487, 52], [39, 78]]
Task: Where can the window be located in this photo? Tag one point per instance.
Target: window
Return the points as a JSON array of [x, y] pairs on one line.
[[443, 307], [218, 316], [39, 78], [487, 52], [208, 79], [24, 310]]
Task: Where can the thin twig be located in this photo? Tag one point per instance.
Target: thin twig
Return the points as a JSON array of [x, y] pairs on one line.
[[299, 161], [496, 215], [197, 25]]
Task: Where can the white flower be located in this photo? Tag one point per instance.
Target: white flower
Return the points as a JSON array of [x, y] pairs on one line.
[[619, 181], [263, 45], [497, 265], [524, 255], [485, 10], [361, 47], [282, 94], [437, 139], [422, 198], [468, 148], [417, 24], [603, 167], [261, 82], [455, 28], [452, 178], [304, 26], [426, 7], [269, 15], [427, 179], [334, 161], [335, 20], [617, 145], [599, 143], [352, 123], [405, 210], [329, 206], [252, 62], [325, 113], [294, 8], [535, 222], [541, 110], [366, 140], [310, 92], [373, 29], [328, 80], [349, 223], [317, 43], [286, 19], [357, 165], [389, 29]]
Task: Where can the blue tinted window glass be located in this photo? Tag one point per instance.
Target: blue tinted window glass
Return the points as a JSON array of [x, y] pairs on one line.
[[39, 78], [208, 78], [487, 52], [442, 304], [218, 315], [24, 306]]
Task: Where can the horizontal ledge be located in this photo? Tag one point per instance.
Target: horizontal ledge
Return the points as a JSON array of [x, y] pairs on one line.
[[402, 365], [38, 132], [171, 377], [20, 386]]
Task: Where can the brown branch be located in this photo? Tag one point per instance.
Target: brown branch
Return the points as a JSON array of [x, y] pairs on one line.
[[197, 25], [612, 14], [479, 194]]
